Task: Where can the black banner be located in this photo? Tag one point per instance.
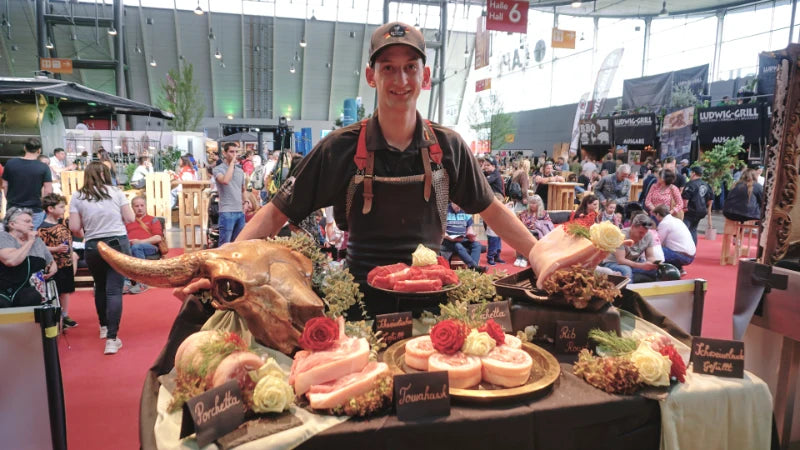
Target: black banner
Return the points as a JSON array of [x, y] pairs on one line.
[[595, 131], [767, 71], [717, 125], [635, 129], [652, 91], [694, 77], [655, 91]]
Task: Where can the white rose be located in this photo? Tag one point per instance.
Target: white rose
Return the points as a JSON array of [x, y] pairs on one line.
[[606, 236], [478, 343], [653, 367], [270, 368], [272, 394]]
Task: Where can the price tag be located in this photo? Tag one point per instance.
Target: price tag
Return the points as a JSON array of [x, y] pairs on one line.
[[571, 336], [213, 413], [718, 357], [395, 326], [421, 395], [499, 311]]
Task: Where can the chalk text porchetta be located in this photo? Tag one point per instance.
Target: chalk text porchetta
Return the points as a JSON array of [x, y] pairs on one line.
[[265, 283]]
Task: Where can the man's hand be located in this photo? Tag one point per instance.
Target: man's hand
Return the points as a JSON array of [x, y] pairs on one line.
[[648, 266], [192, 288]]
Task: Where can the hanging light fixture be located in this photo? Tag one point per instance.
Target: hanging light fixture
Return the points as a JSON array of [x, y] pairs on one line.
[[466, 48], [664, 12], [211, 36], [112, 31], [296, 56], [217, 54], [229, 117], [576, 4], [257, 48], [153, 62], [49, 44], [198, 10], [138, 49], [303, 42], [291, 68]]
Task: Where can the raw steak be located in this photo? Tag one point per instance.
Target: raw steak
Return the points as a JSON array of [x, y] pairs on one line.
[[418, 285], [463, 371], [340, 391], [384, 271], [348, 355], [506, 366], [418, 350], [435, 271]]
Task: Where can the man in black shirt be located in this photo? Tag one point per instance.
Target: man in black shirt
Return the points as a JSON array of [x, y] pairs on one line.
[[489, 166], [389, 177], [680, 180], [26, 180], [698, 195]]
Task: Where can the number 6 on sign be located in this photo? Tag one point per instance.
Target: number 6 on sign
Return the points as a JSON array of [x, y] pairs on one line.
[[514, 15], [507, 15]]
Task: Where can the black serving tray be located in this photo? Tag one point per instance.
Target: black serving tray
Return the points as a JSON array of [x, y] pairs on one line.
[[522, 286]]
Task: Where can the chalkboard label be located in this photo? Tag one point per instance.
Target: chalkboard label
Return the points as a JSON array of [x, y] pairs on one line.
[[395, 326], [718, 357], [421, 395], [213, 413], [572, 336], [498, 311]]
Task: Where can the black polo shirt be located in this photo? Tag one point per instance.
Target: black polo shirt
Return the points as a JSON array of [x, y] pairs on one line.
[[323, 176]]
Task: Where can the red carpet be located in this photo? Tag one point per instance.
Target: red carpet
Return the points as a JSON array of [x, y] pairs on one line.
[[102, 392]]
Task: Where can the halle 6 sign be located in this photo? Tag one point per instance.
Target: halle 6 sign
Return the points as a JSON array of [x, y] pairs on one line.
[[507, 15]]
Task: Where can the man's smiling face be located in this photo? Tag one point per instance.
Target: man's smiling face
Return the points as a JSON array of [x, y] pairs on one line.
[[398, 75]]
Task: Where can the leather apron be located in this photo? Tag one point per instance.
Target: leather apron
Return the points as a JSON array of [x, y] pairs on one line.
[[398, 216]]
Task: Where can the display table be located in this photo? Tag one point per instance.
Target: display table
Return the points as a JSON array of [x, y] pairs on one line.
[[569, 415]]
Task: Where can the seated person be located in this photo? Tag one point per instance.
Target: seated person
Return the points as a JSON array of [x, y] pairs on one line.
[[22, 256], [144, 234], [609, 213], [537, 221], [586, 214], [140, 173], [460, 238], [676, 239], [637, 258]]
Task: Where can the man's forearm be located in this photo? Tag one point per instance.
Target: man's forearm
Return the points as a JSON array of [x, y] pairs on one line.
[[267, 222], [508, 227]]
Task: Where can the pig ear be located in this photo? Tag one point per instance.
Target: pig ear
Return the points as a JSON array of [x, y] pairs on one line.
[[305, 263]]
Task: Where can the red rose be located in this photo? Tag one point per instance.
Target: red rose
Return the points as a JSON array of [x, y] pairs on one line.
[[442, 262], [320, 333], [495, 331], [448, 336], [678, 368]]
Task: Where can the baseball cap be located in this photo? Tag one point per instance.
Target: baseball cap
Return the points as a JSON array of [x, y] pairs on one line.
[[490, 159], [697, 170], [684, 161], [396, 33]]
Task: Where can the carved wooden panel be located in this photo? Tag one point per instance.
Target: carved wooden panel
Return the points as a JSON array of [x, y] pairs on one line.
[[781, 236]]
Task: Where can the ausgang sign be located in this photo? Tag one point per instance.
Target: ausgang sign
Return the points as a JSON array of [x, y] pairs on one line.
[[507, 15]]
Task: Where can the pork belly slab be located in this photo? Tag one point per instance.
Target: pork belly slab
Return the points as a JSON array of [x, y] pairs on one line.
[[418, 350], [347, 356], [336, 393], [560, 250]]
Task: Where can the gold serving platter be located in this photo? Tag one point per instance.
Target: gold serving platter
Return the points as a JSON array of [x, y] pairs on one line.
[[544, 373]]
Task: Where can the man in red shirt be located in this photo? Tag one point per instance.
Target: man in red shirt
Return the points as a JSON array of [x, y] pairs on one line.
[[144, 234]]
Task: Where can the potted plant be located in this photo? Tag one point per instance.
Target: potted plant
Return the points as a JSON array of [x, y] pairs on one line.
[[718, 165]]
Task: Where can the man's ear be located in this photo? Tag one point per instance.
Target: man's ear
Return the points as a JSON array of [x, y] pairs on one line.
[[426, 75], [369, 75]]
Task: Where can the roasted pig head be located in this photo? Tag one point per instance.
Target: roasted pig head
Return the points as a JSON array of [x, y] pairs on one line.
[[267, 284]]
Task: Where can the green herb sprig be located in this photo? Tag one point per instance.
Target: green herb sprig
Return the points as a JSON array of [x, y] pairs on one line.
[[610, 343]]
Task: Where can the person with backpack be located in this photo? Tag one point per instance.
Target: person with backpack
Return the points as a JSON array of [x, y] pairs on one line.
[[698, 195]]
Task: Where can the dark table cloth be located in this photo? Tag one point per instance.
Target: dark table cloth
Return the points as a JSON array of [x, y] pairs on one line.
[[570, 415]]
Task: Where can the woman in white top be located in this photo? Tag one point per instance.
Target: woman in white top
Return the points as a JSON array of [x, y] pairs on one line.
[[139, 175], [98, 212]]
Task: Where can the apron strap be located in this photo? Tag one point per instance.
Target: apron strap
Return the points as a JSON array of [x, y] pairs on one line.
[[368, 183], [426, 164], [361, 149], [436, 151]]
